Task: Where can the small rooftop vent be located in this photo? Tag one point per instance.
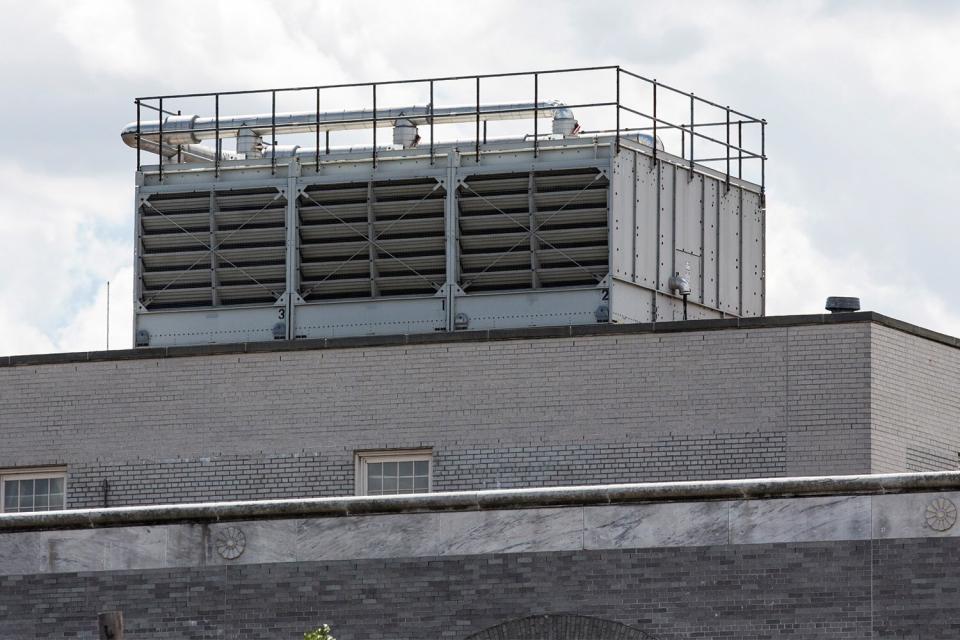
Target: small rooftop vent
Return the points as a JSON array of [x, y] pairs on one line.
[[842, 304]]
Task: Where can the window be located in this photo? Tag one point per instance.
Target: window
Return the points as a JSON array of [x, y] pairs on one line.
[[33, 490], [381, 473]]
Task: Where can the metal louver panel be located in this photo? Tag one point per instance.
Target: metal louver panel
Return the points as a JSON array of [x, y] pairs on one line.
[[370, 240], [210, 249], [546, 229]]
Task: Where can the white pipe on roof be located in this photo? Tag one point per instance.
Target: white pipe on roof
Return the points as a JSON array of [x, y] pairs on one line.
[[192, 129]]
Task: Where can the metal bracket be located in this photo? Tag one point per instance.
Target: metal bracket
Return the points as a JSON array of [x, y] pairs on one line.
[[139, 307], [455, 288]]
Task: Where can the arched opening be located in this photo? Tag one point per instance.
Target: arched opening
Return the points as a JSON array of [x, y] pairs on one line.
[[561, 626]]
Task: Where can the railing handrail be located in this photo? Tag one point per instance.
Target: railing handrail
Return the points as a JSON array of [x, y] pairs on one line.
[[689, 132]]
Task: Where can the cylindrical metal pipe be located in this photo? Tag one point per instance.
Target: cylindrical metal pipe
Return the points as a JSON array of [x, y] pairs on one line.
[[191, 129]]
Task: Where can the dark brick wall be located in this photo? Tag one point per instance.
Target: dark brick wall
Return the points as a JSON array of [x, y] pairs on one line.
[[458, 466], [839, 590]]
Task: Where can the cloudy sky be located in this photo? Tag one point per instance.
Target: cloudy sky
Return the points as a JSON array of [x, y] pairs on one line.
[[863, 100]]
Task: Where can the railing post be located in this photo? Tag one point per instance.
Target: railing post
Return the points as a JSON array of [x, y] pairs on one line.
[[431, 122], [536, 114], [273, 131], [216, 135], [693, 133], [476, 133], [374, 86], [160, 140], [654, 120], [138, 134], [618, 108], [728, 148], [763, 160], [316, 148]]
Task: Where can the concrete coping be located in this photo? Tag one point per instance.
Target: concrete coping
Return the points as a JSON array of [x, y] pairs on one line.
[[694, 491], [485, 335]]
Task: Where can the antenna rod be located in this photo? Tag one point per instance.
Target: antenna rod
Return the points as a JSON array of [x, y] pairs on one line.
[[108, 315]]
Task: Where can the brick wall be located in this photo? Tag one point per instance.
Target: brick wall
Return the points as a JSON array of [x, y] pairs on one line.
[[457, 466], [840, 590], [915, 403], [696, 404]]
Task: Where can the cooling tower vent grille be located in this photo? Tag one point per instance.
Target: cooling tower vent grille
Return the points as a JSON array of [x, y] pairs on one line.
[[212, 248], [371, 239], [537, 230]]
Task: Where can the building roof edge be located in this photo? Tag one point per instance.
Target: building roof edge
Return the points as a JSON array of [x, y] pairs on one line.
[[485, 335]]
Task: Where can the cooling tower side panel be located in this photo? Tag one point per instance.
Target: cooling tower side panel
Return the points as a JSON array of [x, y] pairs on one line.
[[623, 185], [754, 278], [730, 250], [711, 240], [667, 224], [688, 217], [683, 223], [646, 231]]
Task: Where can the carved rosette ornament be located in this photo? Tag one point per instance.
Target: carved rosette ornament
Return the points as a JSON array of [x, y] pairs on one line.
[[941, 514], [230, 543]]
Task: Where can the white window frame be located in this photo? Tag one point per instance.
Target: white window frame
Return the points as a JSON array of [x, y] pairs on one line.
[[363, 458], [34, 473]]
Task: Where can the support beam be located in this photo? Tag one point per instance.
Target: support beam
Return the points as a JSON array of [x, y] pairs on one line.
[[138, 253], [214, 283], [532, 225], [451, 220], [371, 236], [292, 224]]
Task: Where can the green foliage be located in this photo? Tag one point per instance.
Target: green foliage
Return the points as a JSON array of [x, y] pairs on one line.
[[320, 633]]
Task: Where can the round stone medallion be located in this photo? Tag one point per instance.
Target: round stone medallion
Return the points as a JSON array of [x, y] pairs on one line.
[[941, 514], [230, 543]]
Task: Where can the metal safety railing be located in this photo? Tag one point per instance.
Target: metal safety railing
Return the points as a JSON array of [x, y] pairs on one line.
[[732, 124]]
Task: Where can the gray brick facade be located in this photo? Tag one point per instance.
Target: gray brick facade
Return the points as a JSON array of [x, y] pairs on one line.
[[916, 403], [457, 466], [804, 397], [837, 590]]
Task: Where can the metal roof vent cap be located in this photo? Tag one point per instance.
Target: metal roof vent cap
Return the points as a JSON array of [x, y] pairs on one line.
[[842, 304], [405, 133], [564, 123]]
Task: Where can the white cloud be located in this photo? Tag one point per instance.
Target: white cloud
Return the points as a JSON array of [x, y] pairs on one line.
[[62, 238], [862, 98], [800, 277]]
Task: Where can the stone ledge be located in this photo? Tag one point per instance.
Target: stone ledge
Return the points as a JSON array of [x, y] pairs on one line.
[[750, 489]]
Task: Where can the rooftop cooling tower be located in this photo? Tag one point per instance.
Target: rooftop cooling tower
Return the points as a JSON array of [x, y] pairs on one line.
[[263, 241]]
